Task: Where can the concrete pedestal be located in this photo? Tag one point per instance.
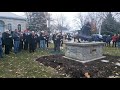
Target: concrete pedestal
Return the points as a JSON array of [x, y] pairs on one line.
[[84, 52]]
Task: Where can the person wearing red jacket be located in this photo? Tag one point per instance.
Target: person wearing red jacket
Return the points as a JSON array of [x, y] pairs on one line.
[[114, 40]]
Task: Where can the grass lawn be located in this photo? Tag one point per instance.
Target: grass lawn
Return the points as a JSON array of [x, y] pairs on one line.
[[111, 51], [23, 65]]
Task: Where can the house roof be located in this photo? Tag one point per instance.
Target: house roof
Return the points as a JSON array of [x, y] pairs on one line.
[[11, 16]]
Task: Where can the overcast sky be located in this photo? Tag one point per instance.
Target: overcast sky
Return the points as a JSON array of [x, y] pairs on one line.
[[69, 16]]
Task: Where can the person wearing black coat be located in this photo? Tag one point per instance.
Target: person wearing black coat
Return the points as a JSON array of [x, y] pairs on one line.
[[47, 40], [25, 40], [36, 40], [7, 42], [11, 42], [61, 40], [3, 35], [108, 40], [104, 38], [54, 41], [57, 40], [31, 41]]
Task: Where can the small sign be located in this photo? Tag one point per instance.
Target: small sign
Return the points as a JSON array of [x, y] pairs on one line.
[[92, 50]]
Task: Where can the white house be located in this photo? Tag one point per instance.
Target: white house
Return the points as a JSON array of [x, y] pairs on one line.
[[11, 22]]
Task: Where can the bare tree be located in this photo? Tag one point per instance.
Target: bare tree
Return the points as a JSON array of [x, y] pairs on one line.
[[59, 23], [28, 16], [116, 15], [79, 20], [95, 18]]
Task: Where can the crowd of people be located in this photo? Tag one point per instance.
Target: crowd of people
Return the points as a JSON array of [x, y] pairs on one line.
[[115, 40], [110, 40], [27, 40], [30, 40]]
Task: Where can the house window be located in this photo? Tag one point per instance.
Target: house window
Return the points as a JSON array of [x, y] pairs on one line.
[[9, 27], [19, 27]]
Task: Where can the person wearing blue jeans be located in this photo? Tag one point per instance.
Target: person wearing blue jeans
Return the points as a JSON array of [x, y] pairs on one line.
[[42, 44], [42, 41], [16, 46], [16, 38]]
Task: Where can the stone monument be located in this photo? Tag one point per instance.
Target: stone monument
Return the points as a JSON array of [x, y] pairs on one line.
[[84, 51]]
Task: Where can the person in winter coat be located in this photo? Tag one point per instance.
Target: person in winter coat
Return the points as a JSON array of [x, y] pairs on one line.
[[32, 42], [25, 40], [16, 37], [69, 37], [36, 40], [47, 39], [118, 40], [108, 40], [57, 41], [11, 41], [54, 41], [7, 41], [104, 38], [3, 34], [61, 39], [21, 42], [1, 51], [114, 40], [42, 40]]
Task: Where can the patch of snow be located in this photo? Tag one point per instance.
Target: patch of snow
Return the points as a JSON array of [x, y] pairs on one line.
[[104, 60], [118, 64]]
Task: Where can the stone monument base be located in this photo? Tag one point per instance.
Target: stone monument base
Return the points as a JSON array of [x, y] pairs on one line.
[[84, 52], [84, 61]]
